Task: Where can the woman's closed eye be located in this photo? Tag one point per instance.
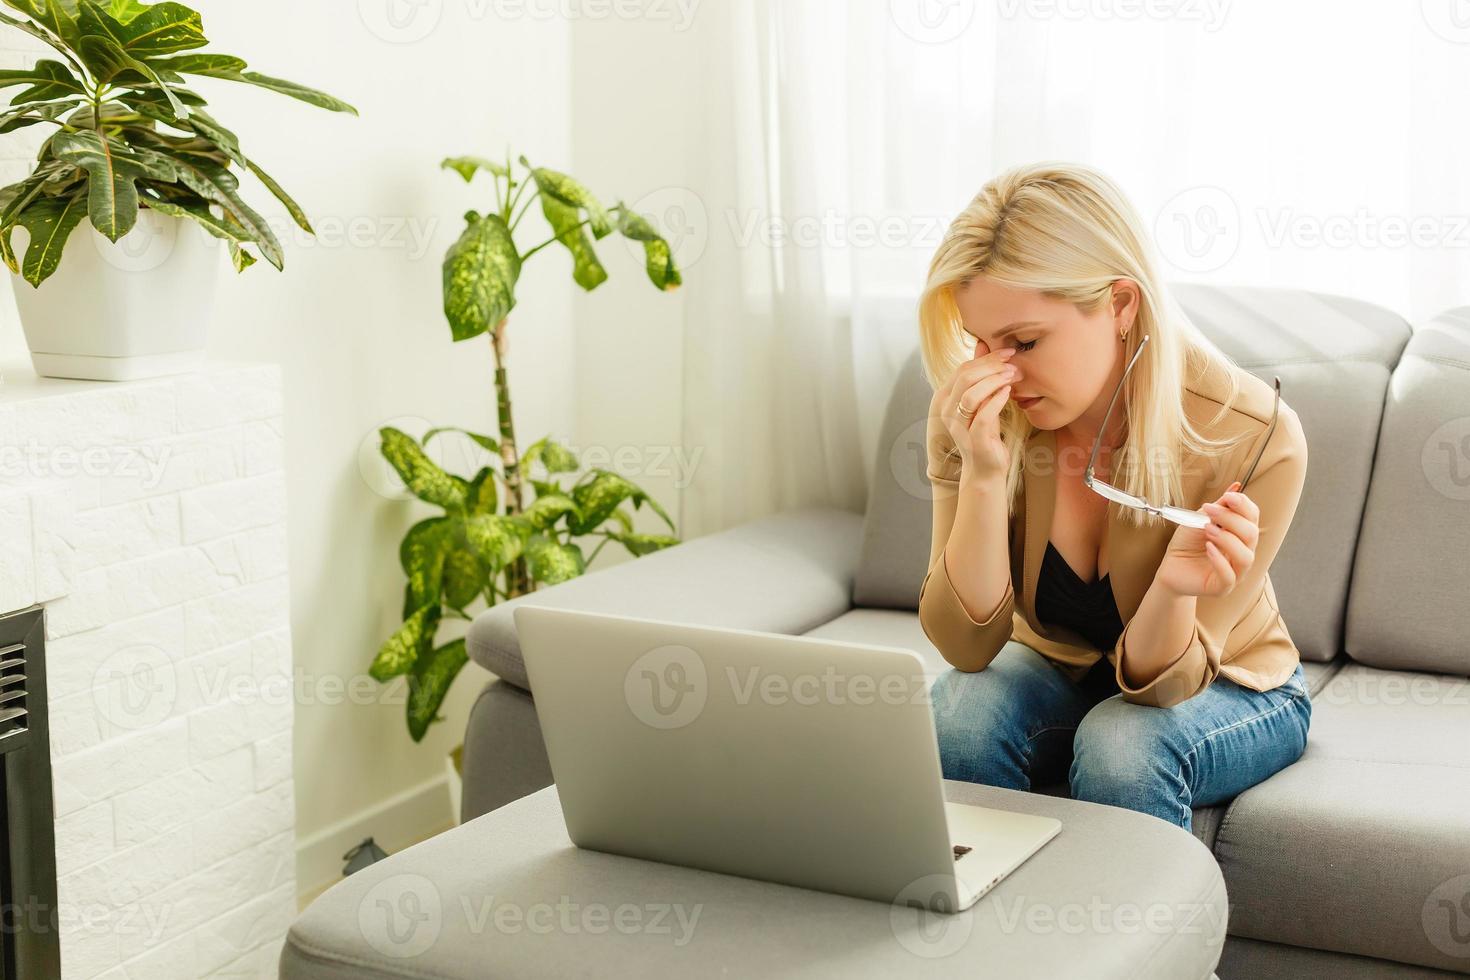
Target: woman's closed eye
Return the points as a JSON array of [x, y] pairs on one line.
[[1025, 346]]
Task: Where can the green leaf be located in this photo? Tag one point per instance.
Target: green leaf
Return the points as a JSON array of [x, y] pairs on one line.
[[659, 257], [566, 225], [200, 214], [553, 455], [50, 221], [37, 31], [432, 676], [144, 30], [109, 62], [480, 273], [200, 64], [483, 441], [422, 554], [419, 473], [402, 650], [643, 544], [296, 91], [32, 113], [214, 183], [568, 191], [112, 194], [547, 509], [498, 539], [464, 577], [481, 493], [597, 499], [551, 561], [48, 80], [466, 167], [292, 208]]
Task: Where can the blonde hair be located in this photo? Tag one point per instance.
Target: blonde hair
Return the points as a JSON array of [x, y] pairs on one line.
[[1068, 231]]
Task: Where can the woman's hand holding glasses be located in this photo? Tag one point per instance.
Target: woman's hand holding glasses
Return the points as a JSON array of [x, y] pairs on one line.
[[1208, 561]]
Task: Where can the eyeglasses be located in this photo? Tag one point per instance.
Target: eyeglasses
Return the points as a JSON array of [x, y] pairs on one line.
[[1189, 518]]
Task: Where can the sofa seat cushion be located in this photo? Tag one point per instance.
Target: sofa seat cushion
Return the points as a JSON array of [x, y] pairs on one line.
[[1363, 844]]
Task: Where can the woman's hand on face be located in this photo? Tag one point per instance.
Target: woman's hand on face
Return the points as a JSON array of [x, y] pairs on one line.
[[981, 385], [1209, 561]]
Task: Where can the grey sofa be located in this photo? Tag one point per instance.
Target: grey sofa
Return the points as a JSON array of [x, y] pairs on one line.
[[1352, 862]]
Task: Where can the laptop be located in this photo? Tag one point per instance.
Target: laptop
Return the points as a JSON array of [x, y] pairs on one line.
[[791, 759]]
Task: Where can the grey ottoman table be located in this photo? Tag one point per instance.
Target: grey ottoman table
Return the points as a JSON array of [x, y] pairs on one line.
[[1114, 894]]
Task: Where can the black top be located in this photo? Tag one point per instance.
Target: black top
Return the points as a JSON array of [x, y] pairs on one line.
[[1063, 599]]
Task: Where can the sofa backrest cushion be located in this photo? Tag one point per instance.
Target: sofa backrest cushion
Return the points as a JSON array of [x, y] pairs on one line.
[[1333, 355], [1411, 578]]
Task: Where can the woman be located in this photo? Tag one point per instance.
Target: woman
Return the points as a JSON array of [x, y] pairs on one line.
[[1036, 306]]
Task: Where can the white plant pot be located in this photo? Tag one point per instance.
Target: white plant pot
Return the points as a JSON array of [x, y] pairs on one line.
[[136, 308]]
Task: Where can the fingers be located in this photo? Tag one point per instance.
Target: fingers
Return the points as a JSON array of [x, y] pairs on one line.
[[1222, 565], [1237, 524], [1240, 503], [982, 393], [977, 368], [1233, 548]]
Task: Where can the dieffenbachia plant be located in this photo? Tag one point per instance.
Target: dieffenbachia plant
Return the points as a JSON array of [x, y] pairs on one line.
[[488, 544], [130, 133]]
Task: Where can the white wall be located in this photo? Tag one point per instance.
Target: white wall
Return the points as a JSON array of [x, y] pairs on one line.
[[356, 324]]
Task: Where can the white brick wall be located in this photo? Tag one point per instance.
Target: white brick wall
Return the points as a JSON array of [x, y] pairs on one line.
[[150, 519]]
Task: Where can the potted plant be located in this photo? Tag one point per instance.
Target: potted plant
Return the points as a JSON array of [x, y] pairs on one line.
[[488, 543], [136, 154]]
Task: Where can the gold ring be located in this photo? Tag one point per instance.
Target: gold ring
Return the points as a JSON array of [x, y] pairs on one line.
[[967, 416]]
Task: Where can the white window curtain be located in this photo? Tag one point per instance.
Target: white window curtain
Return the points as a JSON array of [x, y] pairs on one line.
[[1315, 145]]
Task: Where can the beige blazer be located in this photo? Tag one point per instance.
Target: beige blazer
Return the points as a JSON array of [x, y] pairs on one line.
[[1240, 635]]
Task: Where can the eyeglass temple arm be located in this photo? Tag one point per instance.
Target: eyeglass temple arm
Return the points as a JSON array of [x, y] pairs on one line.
[[1092, 459], [1275, 411]]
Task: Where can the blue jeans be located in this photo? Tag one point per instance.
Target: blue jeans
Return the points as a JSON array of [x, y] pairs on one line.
[[1021, 719]]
